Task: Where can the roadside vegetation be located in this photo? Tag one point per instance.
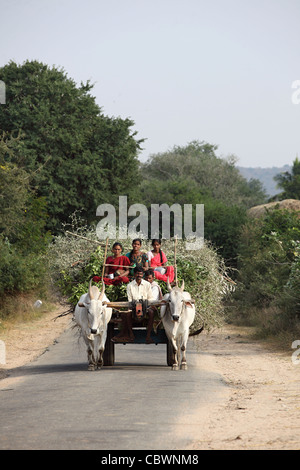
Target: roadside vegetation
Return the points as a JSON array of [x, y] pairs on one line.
[[61, 157], [268, 279]]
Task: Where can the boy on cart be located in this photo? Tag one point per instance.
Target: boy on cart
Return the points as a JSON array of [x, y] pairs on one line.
[[138, 292]]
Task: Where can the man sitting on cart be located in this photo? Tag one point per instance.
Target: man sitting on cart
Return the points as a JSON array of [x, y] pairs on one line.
[[137, 290]]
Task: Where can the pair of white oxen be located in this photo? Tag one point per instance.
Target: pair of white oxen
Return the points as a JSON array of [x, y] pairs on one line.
[[92, 315]]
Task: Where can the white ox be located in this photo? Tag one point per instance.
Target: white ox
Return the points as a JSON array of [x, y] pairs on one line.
[[93, 317], [177, 313]]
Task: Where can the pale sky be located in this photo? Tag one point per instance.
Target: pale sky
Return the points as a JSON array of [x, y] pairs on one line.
[[220, 71]]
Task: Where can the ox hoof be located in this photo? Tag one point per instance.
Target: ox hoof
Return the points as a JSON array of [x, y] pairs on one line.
[[175, 367], [91, 367], [183, 366]]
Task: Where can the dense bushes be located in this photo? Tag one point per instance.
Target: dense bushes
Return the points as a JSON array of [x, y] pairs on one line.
[[223, 225], [291, 294], [19, 272], [23, 238], [269, 268]]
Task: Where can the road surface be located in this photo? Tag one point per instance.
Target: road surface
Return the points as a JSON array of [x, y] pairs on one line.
[[139, 403]]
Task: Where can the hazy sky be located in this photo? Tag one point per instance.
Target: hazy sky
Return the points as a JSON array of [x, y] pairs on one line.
[[214, 70]]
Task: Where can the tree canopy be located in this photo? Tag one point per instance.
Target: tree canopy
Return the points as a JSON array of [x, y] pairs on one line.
[[79, 158], [196, 172], [195, 175], [14, 190], [289, 182]]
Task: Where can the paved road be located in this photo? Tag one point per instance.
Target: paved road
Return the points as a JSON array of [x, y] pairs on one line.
[[138, 403]]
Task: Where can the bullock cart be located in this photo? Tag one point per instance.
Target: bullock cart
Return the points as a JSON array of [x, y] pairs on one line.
[[136, 309], [173, 327]]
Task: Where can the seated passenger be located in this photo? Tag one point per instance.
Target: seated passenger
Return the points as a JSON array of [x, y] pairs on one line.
[[136, 257], [117, 271], [156, 290], [139, 289], [158, 262]]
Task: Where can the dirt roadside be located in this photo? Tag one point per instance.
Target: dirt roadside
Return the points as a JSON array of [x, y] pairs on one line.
[[26, 341], [261, 409], [262, 406]]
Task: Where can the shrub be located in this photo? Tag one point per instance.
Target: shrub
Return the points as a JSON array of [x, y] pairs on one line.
[[20, 272], [269, 266]]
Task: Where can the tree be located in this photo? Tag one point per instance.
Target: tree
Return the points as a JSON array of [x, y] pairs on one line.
[[199, 166], [14, 190], [289, 182], [80, 158], [23, 239], [195, 175]]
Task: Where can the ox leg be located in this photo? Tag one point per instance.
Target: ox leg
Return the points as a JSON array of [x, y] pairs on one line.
[[100, 359], [96, 355], [100, 352], [91, 360], [175, 354], [90, 353], [183, 365], [100, 349]]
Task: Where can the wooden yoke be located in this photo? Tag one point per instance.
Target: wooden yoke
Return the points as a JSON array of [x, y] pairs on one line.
[[117, 305]]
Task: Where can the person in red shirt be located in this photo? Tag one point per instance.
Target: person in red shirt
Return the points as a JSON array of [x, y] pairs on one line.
[[117, 270], [158, 262]]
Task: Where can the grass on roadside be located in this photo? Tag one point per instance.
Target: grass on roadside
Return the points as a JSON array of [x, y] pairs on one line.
[[19, 308], [269, 325]]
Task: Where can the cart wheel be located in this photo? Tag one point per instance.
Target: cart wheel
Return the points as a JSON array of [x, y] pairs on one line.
[[169, 353], [109, 350]]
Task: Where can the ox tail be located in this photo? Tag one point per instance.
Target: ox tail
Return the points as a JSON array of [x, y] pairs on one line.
[[197, 332]]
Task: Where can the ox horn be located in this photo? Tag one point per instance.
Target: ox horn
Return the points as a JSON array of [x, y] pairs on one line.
[[182, 286], [169, 285], [102, 291], [90, 290]]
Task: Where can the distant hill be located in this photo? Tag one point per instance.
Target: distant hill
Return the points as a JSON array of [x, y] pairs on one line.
[[265, 175]]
